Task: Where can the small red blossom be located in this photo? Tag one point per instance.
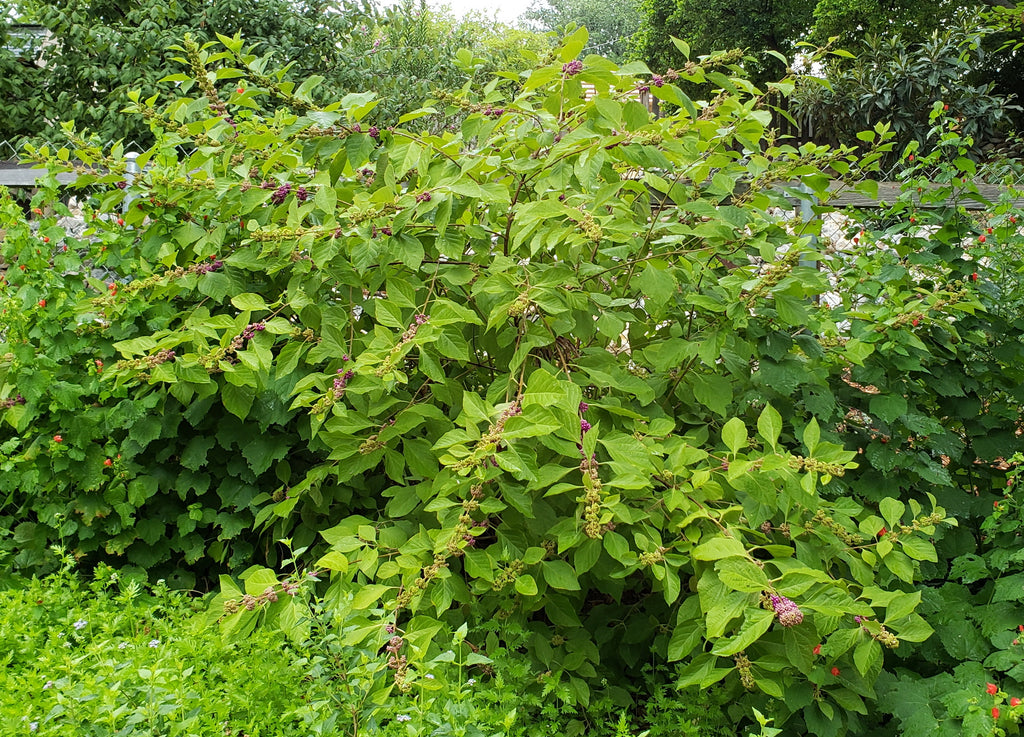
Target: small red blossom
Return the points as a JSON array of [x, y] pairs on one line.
[[42, 303], [915, 322], [835, 671], [46, 239], [1014, 701], [108, 463], [974, 276], [995, 712], [120, 221], [910, 157], [882, 532], [239, 90], [981, 239], [817, 650], [991, 689], [58, 439]]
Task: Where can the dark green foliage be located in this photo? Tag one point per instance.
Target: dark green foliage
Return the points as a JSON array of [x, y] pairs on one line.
[[99, 51], [610, 23], [895, 81], [550, 416], [720, 25]]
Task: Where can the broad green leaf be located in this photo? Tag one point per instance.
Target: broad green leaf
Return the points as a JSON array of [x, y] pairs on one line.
[[734, 434], [719, 547]]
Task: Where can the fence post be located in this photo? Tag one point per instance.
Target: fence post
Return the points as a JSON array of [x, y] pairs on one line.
[[807, 215], [131, 170]]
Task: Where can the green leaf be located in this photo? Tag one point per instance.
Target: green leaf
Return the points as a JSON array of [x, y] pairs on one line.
[[368, 594], [249, 302], [237, 399], [811, 436], [769, 425], [526, 586], [689, 630], [734, 434], [918, 548], [867, 656], [719, 547], [741, 574], [892, 511], [560, 575], [887, 407], [755, 623]]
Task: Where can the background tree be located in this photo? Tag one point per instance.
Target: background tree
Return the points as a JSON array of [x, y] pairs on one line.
[[896, 82], [101, 49], [609, 23], [717, 25]]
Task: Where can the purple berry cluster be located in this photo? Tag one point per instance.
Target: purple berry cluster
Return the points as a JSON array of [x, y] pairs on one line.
[[374, 232], [252, 328], [584, 426], [281, 194], [572, 67], [787, 611], [8, 403], [423, 197], [210, 267], [657, 80], [341, 381], [410, 333], [164, 356], [584, 407], [374, 132], [302, 194], [493, 112]]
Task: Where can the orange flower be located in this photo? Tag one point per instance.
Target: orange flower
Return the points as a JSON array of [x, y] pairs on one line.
[[992, 689]]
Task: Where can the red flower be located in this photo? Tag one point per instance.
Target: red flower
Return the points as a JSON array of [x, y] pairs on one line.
[[1014, 701], [835, 671], [991, 689], [995, 712], [58, 439], [108, 463], [817, 650], [882, 532]]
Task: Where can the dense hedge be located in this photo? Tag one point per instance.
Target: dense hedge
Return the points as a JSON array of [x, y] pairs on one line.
[[495, 377]]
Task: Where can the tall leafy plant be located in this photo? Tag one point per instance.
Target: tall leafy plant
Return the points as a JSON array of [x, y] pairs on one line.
[[565, 368]]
